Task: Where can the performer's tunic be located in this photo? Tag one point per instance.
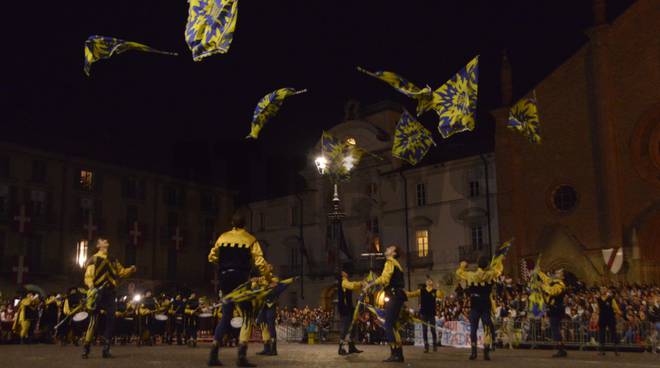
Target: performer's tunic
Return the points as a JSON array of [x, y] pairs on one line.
[[555, 289], [393, 283], [427, 297], [345, 306], [608, 308], [479, 287], [236, 252], [104, 271]]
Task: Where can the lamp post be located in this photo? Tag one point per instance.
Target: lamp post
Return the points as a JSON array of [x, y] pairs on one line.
[[337, 169]]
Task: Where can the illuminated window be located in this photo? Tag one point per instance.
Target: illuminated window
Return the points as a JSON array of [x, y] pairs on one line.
[[376, 244], [86, 180], [351, 141], [81, 253], [422, 243]]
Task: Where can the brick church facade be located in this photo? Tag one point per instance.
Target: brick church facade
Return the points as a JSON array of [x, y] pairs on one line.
[[594, 181]]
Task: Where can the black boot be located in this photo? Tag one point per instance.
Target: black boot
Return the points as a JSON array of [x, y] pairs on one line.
[[266, 350], [273, 347], [426, 348], [85, 353], [213, 356], [393, 357], [106, 352], [486, 352], [399, 354], [473, 353], [561, 353], [352, 349], [342, 351], [242, 356]]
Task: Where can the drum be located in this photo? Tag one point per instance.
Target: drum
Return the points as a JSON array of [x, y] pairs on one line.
[[161, 317], [80, 316], [79, 322], [236, 322], [205, 322]]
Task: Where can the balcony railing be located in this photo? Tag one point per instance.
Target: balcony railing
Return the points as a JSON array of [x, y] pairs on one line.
[[470, 253], [418, 260]]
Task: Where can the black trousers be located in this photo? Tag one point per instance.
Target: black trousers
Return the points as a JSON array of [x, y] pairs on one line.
[[103, 315], [229, 281], [429, 321], [555, 327], [192, 323], [607, 325], [480, 313], [267, 317], [392, 312], [346, 320]]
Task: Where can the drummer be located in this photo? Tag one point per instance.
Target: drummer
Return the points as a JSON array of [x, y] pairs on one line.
[[146, 324], [124, 325], [176, 313], [191, 311], [71, 330], [165, 327]]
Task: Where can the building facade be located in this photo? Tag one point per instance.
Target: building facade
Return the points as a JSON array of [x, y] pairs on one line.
[[53, 208], [437, 210], [594, 182]]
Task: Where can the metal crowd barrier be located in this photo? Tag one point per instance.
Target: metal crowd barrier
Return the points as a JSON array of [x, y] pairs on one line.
[[536, 333]]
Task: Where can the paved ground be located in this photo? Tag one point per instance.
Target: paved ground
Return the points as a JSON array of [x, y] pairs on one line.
[[303, 356]]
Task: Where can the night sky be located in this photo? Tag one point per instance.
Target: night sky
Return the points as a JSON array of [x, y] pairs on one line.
[[174, 115]]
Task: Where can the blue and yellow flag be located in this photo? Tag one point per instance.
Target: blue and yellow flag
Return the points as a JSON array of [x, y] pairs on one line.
[[411, 140], [268, 107], [502, 251], [101, 47], [424, 96], [340, 157], [456, 100], [524, 117], [211, 26]]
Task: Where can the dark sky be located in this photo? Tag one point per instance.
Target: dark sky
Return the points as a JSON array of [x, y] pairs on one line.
[[172, 114]]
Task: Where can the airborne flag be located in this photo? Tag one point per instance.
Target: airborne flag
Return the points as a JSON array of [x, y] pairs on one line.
[[456, 100], [340, 157], [411, 140], [268, 107], [524, 117], [102, 47], [211, 26], [424, 96]]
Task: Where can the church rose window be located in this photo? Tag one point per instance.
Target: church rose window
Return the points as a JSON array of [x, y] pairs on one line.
[[564, 198]]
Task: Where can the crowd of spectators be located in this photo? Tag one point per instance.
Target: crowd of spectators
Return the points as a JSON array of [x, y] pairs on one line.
[[638, 322]]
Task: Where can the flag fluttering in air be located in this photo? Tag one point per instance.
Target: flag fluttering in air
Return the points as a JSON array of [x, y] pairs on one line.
[[102, 47], [211, 26], [424, 96], [456, 100], [411, 140], [536, 299], [268, 107], [502, 251], [340, 157], [524, 117]]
